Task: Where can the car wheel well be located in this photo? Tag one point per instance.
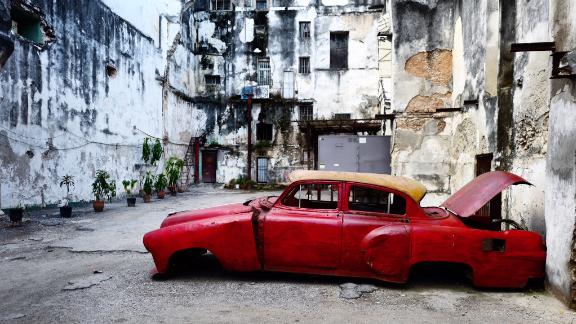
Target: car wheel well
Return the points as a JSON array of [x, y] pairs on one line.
[[182, 258]]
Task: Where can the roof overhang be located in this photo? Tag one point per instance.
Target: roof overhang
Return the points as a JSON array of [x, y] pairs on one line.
[[331, 126]]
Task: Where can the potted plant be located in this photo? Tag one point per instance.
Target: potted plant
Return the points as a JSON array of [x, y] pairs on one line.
[[129, 186], [173, 168], [148, 184], [102, 188], [160, 185], [65, 209], [15, 214]]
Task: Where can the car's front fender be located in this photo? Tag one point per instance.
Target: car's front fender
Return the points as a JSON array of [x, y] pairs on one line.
[[230, 239]]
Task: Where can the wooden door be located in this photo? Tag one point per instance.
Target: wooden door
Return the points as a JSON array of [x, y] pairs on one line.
[[209, 159]]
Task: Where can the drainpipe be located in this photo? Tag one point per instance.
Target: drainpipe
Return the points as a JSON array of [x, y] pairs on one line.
[[249, 120], [197, 160]]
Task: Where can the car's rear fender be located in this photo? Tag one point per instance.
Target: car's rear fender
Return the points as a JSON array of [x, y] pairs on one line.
[[230, 239]]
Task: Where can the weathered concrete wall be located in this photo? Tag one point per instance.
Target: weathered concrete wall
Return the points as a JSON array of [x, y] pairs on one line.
[[560, 202], [62, 113], [229, 43], [510, 108]]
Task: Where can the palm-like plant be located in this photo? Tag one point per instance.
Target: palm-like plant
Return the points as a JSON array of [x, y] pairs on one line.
[[67, 181], [129, 186]]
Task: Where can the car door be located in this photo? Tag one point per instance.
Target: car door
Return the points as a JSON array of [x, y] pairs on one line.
[[302, 232], [375, 232]]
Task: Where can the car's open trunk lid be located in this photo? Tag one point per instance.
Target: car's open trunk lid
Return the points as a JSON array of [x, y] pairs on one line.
[[468, 200]]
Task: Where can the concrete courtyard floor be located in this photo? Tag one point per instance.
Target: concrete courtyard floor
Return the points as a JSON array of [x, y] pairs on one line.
[[93, 268]]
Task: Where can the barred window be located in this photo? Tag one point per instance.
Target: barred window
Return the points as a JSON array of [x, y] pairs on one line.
[[304, 66], [220, 5], [212, 79], [304, 29], [261, 4], [264, 77], [306, 112], [342, 116]]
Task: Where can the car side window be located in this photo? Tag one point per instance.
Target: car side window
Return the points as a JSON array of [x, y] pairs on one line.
[[313, 196], [375, 200]]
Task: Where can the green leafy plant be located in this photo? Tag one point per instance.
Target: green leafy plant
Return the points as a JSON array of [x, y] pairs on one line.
[[103, 187], [161, 182], [67, 181], [156, 152], [146, 150], [129, 186], [148, 183], [173, 168]]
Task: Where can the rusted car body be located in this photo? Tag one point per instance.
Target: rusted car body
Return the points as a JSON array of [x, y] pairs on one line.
[[357, 225]]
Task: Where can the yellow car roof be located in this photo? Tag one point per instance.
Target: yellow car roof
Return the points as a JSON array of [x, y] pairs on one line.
[[410, 187]]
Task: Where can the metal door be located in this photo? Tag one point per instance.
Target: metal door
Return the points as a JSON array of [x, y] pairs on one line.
[[209, 159], [288, 85], [262, 170]]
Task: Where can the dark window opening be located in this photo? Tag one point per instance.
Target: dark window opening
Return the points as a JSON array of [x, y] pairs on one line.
[[220, 5], [342, 116], [304, 65], [306, 112], [338, 50], [493, 209], [27, 25], [212, 79], [376, 201], [264, 76], [314, 196], [111, 70], [262, 170], [264, 132], [304, 29]]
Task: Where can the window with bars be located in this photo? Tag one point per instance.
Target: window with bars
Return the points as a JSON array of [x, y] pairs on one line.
[[338, 50], [342, 116], [304, 29], [220, 5], [304, 65], [261, 4], [264, 132], [306, 112], [212, 79], [262, 170], [264, 77]]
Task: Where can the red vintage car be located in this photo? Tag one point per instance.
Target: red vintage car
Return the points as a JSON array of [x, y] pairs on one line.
[[358, 225]]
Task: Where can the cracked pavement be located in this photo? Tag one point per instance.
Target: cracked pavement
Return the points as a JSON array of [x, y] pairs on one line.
[[92, 268]]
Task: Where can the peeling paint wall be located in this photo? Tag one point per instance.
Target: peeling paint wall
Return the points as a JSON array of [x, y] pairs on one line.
[[62, 113]]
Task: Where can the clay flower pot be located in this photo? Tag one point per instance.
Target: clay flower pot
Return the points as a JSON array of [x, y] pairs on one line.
[[98, 205], [15, 214], [147, 198], [161, 194]]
